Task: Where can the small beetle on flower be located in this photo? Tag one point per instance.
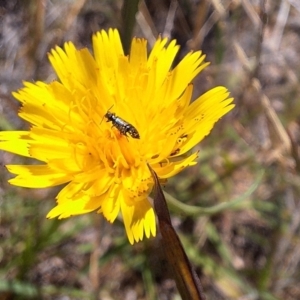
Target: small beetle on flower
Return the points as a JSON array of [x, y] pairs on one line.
[[123, 126]]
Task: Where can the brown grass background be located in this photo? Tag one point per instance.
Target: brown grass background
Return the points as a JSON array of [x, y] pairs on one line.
[[250, 249]]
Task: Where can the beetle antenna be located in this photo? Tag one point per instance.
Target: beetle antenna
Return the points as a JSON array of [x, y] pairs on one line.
[[110, 108], [106, 113]]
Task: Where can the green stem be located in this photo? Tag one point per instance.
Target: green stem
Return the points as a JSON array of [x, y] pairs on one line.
[[129, 10], [196, 210]]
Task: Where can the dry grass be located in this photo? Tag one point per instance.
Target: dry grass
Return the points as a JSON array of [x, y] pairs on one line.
[[250, 250]]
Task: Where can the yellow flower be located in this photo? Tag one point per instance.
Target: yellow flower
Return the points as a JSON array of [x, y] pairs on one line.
[[83, 127]]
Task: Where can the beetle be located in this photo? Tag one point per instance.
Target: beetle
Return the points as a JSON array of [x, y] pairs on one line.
[[123, 126]]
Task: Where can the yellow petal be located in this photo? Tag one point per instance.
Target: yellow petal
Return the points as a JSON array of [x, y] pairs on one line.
[[107, 50], [15, 142], [39, 176], [64, 60], [70, 208], [170, 169], [138, 219], [203, 113], [111, 204]]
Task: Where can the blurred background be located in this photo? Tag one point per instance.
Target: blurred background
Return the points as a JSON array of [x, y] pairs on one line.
[[246, 243]]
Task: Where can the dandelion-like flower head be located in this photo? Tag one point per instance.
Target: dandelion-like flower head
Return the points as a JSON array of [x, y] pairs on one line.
[[80, 144]]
